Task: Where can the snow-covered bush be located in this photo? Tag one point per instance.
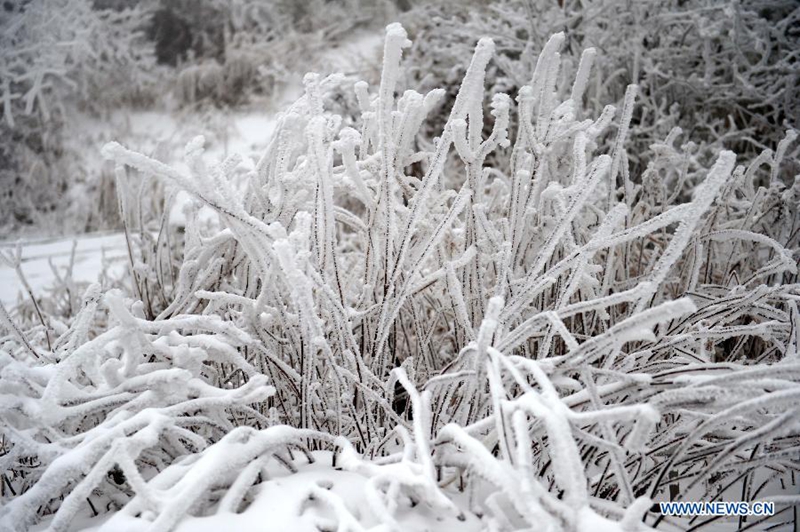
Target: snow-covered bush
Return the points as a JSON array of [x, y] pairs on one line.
[[60, 51], [503, 311], [725, 72], [58, 55], [261, 45]]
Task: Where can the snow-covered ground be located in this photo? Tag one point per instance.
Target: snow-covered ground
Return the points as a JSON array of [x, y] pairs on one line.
[[310, 497], [43, 261]]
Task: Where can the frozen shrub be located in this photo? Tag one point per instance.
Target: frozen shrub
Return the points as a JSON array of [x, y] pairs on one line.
[[725, 72], [503, 308], [57, 55], [229, 53], [59, 51]]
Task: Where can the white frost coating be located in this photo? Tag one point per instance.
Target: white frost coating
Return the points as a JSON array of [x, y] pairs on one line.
[[622, 133], [582, 76], [704, 196]]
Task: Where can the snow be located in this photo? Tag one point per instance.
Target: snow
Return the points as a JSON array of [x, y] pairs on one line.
[[285, 499], [94, 255], [293, 501]]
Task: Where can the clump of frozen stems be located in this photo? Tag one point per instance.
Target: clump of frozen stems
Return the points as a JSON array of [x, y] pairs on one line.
[[570, 339]]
